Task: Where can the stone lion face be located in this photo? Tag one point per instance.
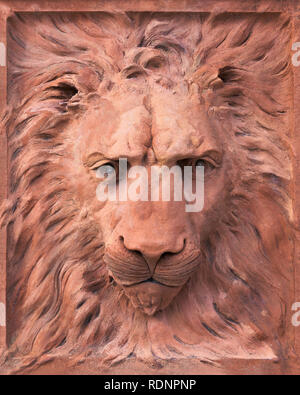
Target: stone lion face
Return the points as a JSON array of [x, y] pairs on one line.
[[147, 278], [151, 248]]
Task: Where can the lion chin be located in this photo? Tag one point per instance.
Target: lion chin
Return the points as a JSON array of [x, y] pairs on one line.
[[151, 296]]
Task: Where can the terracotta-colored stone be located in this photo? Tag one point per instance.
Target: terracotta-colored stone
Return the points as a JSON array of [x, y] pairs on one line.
[[147, 284]]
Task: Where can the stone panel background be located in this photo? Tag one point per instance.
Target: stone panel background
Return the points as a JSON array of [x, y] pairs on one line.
[[292, 7]]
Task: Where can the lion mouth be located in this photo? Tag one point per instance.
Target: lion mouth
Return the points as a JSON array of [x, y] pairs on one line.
[[149, 296], [150, 280], [151, 292], [171, 273]]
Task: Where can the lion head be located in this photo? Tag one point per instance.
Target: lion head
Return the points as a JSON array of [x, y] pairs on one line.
[[147, 279]]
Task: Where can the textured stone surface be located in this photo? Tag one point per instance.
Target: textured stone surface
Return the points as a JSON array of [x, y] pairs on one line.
[[157, 89]]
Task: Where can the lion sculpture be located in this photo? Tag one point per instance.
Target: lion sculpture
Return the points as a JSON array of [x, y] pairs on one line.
[[147, 280]]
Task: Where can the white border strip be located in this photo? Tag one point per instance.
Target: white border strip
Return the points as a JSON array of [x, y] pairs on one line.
[[2, 315], [2, 55]]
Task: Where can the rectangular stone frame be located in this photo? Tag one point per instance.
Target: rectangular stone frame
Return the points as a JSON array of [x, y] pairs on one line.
[[291, 7]]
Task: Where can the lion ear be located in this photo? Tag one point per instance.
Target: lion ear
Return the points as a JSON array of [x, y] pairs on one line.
[[206, 81], [89, 80], [208, 77]]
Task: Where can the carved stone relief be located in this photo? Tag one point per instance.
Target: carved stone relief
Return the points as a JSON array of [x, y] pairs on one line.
[[147, 280]]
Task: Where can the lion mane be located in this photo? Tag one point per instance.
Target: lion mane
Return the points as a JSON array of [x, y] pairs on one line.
[[60, 298]]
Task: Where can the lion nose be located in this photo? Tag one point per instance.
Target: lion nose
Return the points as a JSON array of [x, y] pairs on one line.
[[152, 251]]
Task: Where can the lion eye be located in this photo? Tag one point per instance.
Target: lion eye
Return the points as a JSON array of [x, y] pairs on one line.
[[201, 162], [208, 166], [106, 170]]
